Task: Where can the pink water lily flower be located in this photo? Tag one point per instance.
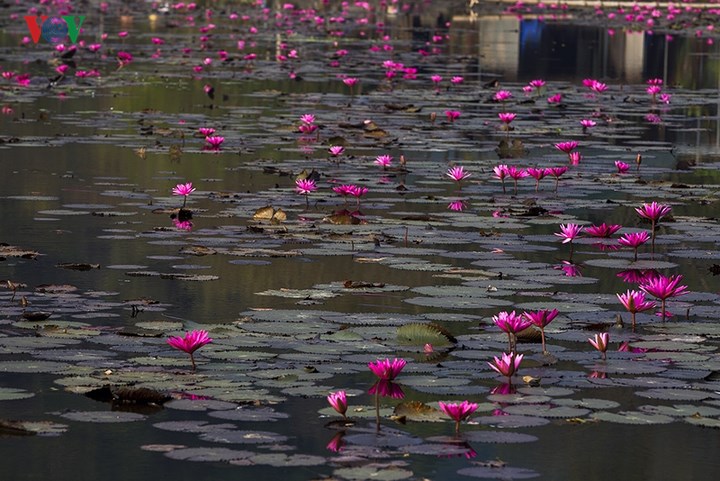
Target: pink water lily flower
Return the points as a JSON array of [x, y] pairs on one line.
[[600, 342], [456, 80], [338, 401], [502, 95], [507, 365], [458, 411], [192, 341], [587, 123], [307, 119], [206, 131], [506, 117], [621, 166], [511, 323], [383, 161], [634, 302], [452, 115], [603, 230], [653, 212], [566, 147], [214, 141], [537, 83], [184, 190], [305, 186], [500, 172], [386, 369], [569, 232], [664, 288], [457, 173], [634, 240], [515, 174], [540, 319], [336, 150], [350, 81], [457, 205], [574, 158], [537, 174]]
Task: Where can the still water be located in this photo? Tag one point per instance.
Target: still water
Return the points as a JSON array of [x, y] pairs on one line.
[[87, 170]]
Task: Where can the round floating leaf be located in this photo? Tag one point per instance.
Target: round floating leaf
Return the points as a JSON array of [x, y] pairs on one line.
[[11, 394], [103, 416], [674, 394], [212, 454], [421, 334], [588, 403], [192, 426], [280, 460], [242, 437], [511, 421], [703, 421], [493, 472], [33, 366], [29, 428], [499, 437], [682, 410], [546, 411], [263, 414], [198, 404], [632, 417], [372, 473]]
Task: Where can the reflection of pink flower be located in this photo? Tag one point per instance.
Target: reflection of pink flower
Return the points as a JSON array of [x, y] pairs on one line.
[[570, 269], [337, 443], [637, 276], [575, 158], [338, 401], [387, 370], [183, 225], [386, 388]]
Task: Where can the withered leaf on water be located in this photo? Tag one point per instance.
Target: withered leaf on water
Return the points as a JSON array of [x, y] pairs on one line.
[[56, 288], [418, 411], [343, 219], [12, 251], [128, 395], [36, 316], [360, 284], [270, 213], [77, 267], [198, 251]]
